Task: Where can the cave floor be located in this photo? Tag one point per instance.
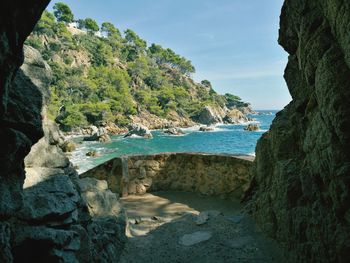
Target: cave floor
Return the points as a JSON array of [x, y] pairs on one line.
[[164, 227]]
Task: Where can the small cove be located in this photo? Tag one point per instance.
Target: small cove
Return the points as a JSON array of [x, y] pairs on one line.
[[225, 139]]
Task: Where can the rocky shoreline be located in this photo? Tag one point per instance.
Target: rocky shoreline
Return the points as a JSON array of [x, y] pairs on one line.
[[144, 123]]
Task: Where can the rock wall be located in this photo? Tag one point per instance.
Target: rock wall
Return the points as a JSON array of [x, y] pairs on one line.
[[20, 128], [60, 218], [219, 175], [300, 194]]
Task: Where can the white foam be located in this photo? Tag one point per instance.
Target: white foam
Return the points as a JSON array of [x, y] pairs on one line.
[[134, 136]]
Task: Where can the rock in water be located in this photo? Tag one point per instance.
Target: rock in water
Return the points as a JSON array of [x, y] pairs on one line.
[[98, 134], [139, 130], [174, 131], [92, 154], [209, 116], [68, 146], [252, 127], [235, 116], [104, 138], [194, 238], [206, 128]]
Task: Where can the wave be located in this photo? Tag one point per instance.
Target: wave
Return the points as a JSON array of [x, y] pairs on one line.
[[262, 130], [134, 136]]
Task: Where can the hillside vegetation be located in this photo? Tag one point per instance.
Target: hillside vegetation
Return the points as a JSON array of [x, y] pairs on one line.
[[102, 76]]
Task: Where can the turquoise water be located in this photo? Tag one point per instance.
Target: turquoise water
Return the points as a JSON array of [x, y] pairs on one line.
[[228, 139]]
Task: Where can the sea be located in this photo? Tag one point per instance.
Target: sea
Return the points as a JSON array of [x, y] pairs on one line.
[[229, 139]]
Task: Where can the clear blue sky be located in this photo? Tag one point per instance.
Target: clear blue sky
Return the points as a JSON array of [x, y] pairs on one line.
[[232, 43]]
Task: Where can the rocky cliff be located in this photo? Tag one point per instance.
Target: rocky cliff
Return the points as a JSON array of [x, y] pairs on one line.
[[59, 218], [20, 128], [300, 193]]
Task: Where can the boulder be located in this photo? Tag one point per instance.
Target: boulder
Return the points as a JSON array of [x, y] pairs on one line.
[[100, 200], [92, 154], [47, 153], [206, 128], [68, 146], [104, 138], [139, 130], [209, 115], [174, 131], [108, 238], [32, 243], [252, 127], [98, 134], [235, 116], [53, 201]]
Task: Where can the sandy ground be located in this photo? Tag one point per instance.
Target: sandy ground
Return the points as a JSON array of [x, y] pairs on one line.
[[163, 227]]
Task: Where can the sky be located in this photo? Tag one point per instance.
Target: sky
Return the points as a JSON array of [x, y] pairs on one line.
[[232, 43]]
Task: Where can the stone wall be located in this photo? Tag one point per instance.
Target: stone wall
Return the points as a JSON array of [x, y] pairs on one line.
[[300, 194], [219, 175]]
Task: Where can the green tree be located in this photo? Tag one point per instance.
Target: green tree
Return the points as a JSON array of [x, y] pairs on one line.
[[206, 83], [91, 25], [81, 24], [63, 13], [46, 24], [110, 30], [138, 68], [135, 46]]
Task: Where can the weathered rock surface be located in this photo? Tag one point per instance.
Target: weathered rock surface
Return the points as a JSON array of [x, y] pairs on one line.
[[68, 146], [174, 131], [20, 116], [151, 121], [139, 130], [54, 201], [235, 116], [301, 189], [53, 223], [99, 199], [206, 128], [210, 115], [194, 238], [98, 134]]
